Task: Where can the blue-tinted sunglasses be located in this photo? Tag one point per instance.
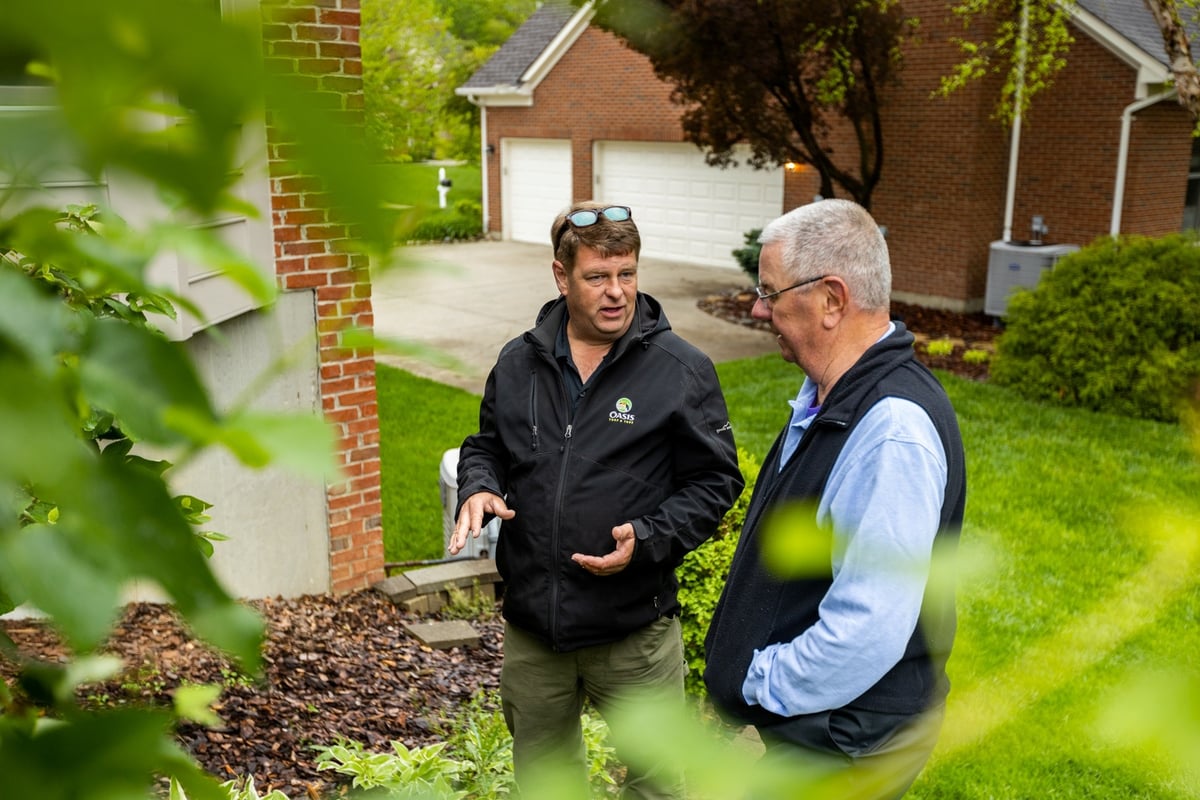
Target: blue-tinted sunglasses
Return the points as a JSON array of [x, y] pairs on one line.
[[590, 216]]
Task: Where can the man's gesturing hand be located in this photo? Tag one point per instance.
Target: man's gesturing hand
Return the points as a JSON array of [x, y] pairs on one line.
[[470, 517], [615, 561]]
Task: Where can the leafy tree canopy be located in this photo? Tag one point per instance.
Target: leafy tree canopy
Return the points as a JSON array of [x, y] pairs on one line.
[[789, 79], [415, 54]]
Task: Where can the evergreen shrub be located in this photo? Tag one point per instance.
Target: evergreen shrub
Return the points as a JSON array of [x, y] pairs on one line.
[[702, 577], [1114, 327], [747, 257]]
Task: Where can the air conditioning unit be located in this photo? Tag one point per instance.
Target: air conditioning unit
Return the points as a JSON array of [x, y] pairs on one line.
[[1017, 265], [482, 547]]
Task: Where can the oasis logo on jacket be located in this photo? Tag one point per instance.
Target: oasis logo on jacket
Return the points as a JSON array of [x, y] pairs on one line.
[[621, 412]]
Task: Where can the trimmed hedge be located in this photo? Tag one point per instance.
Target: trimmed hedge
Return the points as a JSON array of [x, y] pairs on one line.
[[463, 222], [702, 577], [1114, 327]]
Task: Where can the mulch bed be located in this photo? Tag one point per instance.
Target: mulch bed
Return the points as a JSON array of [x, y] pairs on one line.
[[975, 331], [344, 667], [334, 667]]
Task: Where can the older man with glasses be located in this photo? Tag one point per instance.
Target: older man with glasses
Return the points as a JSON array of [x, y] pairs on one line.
[[605, 448], [841, 667]]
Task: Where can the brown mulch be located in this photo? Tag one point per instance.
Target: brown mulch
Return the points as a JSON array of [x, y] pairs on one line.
[[344, 667], [334, 667], [966, 332]]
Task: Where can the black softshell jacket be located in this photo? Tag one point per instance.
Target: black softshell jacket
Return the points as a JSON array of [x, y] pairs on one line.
[[649, 443]]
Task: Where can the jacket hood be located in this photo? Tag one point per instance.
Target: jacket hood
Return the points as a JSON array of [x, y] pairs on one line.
[[649, 320]]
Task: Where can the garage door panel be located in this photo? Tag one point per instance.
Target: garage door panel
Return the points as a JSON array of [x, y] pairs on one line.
[[684, 208], [538, 182]]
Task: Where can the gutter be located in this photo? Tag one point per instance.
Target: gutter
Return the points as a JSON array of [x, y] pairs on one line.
[[1114, 227]]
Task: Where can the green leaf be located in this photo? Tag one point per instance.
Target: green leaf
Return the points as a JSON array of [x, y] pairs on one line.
[[302, 443], [138, 375], [32, 322], [115, 755], [793, 545], [39, 560], [194, 702], [199, 246]]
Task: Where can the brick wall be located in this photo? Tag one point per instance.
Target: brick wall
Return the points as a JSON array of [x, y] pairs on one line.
[[945, 163], [316, 41], [1070, 142]]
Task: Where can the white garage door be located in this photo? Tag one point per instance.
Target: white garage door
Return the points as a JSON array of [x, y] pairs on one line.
[[685, 209], [536, 186]]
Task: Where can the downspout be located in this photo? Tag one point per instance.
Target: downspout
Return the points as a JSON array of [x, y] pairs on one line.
[[1114, 228], [1014, 148], [473, 99]]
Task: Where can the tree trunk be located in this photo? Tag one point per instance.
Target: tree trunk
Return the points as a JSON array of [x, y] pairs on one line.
[[1179, 53]]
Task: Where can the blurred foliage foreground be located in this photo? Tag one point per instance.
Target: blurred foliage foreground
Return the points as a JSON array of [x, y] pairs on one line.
[[160, 95], [83, 377]]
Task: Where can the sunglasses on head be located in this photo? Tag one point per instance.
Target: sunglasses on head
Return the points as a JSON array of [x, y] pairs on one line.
[[590, 216]]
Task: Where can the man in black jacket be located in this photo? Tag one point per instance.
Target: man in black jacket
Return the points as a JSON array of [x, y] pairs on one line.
[[605, 447], [845, 665]]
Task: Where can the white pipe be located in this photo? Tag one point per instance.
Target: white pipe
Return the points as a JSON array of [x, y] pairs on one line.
[[483, 161], [1114, 227], [1014, 147], [1010, 192]]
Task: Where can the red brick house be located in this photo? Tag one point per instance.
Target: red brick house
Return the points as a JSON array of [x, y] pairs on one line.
[[1106, 149]]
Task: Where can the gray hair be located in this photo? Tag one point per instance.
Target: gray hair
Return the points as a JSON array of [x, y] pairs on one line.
[[835, 237]]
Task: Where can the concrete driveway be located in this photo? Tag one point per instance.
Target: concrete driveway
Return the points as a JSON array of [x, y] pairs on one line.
[[453, 306]]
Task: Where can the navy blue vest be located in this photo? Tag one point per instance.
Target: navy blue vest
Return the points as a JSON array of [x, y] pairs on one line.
[[758, 609]]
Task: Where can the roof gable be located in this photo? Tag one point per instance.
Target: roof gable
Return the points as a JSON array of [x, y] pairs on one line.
[[514, 71], [1127, 30]]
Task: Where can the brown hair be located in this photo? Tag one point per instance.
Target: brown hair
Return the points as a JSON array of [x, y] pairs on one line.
[[606, 237]]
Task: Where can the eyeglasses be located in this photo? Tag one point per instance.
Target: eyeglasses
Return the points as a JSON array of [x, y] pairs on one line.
[[587, 217], [766, 296]]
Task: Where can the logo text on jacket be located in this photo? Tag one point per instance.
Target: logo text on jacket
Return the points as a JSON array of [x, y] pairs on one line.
[[622, 412]]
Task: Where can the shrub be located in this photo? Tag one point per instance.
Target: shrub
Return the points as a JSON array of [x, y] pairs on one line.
[[462, 222], [939, 347], [976, 356], [702, 577], [1113, 327], [747, 257], [474, 760]]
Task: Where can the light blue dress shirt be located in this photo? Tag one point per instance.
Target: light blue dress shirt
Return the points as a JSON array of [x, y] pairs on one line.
[[883, 503]]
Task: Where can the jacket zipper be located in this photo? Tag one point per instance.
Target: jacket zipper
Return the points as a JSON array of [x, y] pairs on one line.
[[533, 444], [558, 505]]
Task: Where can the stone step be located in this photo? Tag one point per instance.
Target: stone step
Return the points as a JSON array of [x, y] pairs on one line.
[[426, 590], [462, 573], [444, 635]]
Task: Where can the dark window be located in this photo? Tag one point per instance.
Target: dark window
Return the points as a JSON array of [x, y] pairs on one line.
[[1191, 202]]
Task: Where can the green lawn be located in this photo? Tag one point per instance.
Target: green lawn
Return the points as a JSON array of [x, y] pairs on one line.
[[419, 420], [416, 184], [1079, 600]]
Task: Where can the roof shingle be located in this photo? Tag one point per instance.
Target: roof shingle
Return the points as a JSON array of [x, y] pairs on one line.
[[508, 64]]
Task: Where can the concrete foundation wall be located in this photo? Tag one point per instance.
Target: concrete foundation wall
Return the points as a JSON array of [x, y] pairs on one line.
[[276, 521]]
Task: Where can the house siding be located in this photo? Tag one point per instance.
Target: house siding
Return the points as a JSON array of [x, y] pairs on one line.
[[945, 168], [318, 43]]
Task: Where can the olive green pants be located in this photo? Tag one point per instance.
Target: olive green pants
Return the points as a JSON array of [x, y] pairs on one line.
[[542, 693]]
